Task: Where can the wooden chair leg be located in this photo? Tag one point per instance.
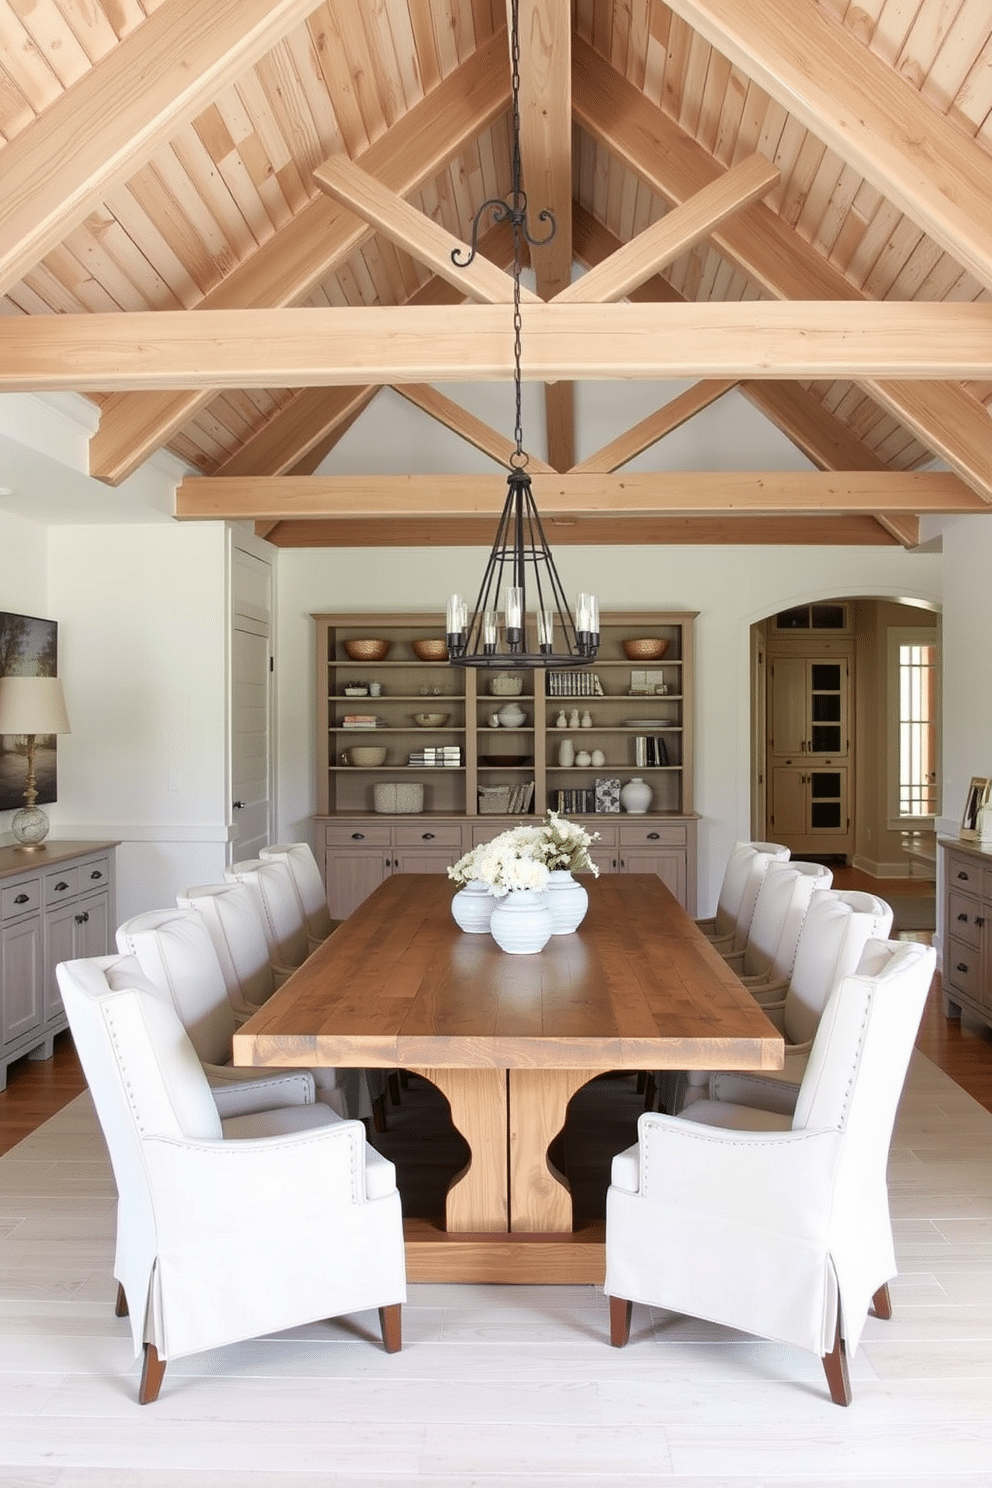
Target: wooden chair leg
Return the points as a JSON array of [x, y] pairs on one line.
[[393, 1085], [120, 1305], [152, 1374], [835, 1369], [881, 1303], [391, 1322], [620, 1311]]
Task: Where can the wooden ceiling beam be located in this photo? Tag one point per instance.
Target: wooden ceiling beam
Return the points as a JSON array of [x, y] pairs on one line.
[[945, 417], [452, 416], [862, 108], [320, 237], [668, 492], [114, 117], [641, 436], [659, 531], [389, 344]]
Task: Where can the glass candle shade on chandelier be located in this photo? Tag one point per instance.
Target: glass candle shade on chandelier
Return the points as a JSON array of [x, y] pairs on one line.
[[33, 708], [551, 636]]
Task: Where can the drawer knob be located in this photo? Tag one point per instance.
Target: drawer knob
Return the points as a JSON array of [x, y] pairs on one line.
[[963, 916], [427, 836], [653, 836], [962, 874], [97, 873], [61, 886], [81, 919], [962, 966], [21, 899], [979, 921], [358, 836]]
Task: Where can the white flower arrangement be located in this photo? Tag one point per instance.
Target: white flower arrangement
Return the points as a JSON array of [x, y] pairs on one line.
[[524, 857]]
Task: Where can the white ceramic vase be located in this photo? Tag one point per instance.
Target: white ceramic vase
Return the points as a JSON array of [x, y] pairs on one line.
[[521, 923], [472, 907], [635, 796], [567, 901]]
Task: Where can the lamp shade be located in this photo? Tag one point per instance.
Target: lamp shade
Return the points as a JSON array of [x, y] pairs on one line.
[[32, 705]]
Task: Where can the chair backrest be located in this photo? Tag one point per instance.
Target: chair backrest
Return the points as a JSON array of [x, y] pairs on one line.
[[174, 951], [838, 925], [857, 1065], [271, 886], [235, 928], [308, 883], [732, 889], [757, 856], [779, 911]]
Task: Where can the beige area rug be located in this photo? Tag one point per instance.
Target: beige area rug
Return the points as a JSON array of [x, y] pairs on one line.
[[500, 1387]]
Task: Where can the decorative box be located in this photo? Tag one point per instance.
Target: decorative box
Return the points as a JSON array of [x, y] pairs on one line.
[[392, 798], [607, 794]]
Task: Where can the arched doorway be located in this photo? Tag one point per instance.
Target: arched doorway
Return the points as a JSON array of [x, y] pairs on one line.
[[845, 732]]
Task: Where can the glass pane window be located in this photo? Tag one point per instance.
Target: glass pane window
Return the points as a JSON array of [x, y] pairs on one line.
[[918, 722]]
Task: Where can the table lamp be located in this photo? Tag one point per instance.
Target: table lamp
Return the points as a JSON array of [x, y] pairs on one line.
[[32, 706]]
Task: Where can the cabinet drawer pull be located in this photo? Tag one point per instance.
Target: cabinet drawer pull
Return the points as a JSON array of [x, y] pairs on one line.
[[427, 836], [21, 899], [979, 921], [653, 836], [962, 916], [97, 873], [358, 836], [962, 966], [962, 874], [61, 886], [81, 919]]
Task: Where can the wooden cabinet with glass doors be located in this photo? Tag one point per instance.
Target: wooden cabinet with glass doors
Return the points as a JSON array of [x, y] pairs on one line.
[[483, 750]]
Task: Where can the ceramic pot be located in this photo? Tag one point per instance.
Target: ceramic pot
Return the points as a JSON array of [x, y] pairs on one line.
[[521, 923], [472, 906], [511, 715], [567, 901], [635, 796], [566, 754]]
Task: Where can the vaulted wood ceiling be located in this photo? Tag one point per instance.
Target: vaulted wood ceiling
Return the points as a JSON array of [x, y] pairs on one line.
[[210, 209]]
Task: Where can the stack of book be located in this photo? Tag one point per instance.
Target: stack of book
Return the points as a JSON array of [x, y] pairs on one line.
[[441, 756], [573, 684], [520, 799], [361, 721], [650, 749], [581, 799]]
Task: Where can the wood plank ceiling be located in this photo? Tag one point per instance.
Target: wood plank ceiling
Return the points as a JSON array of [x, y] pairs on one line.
[[714, 166]]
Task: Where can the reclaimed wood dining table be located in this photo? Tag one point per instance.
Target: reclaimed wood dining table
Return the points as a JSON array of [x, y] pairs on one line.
[[508, 1040]]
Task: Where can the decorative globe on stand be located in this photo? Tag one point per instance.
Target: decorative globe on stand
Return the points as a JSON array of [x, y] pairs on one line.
[[30, 826]]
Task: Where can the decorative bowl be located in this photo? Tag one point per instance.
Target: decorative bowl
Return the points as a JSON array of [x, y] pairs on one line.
[[503, 685], [367, 756], [394, 797], [431, 720], [430, 650], [368, 650], [647, 648]]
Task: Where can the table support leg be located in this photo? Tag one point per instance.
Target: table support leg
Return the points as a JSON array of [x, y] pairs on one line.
[[540, 1202], [477, 1198]]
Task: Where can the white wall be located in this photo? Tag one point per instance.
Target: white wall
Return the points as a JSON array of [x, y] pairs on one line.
[[730, 587]]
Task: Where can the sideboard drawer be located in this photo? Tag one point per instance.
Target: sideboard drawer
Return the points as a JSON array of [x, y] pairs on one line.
[[964, 969], [444, 834], [964, 918], [358, 834], [60, 885], [20, 899], [653, 834]]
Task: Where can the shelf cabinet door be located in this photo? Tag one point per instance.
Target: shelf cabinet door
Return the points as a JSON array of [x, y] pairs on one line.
[[809, 707], [21, 978], [668, 863], [352, 874]]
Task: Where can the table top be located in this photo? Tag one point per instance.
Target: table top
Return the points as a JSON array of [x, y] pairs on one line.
[[399, 985]]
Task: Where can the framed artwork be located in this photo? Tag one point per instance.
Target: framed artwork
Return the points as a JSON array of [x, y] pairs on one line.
[[29, 647], [978, 796]]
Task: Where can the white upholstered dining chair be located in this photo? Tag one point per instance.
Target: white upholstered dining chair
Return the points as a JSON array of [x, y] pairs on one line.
[[270, 883], [778, 1224], [305, 872], [175, 952], [746, 867], [226, 1230], [780, 911]]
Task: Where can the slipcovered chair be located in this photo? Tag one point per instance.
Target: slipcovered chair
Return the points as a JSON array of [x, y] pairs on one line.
[[270, 883], [838, 925], [776, 1224], [229, 914], [783, 900], [309, 885], [175, 952], [750, 859], [226, 1230]]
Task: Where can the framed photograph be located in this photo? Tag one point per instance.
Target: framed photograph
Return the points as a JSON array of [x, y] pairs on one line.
[[29, 647], [978, 796]]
